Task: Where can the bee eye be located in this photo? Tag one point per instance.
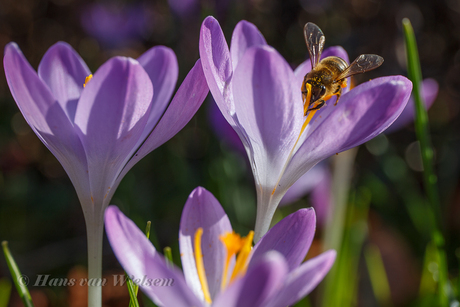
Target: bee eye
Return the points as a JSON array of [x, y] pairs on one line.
[[317, 92], [323, 90]]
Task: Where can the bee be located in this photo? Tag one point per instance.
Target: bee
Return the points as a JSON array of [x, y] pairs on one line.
[[328, 76]]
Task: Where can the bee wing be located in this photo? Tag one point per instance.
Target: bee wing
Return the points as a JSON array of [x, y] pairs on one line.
[[315, 39], [361, 64]]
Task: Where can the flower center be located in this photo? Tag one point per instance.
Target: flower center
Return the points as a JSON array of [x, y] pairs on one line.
[[234, 244], [87, 79]]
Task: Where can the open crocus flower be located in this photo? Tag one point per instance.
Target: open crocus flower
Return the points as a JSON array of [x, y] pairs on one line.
[[99, 128], [270, 275], [260, 96]]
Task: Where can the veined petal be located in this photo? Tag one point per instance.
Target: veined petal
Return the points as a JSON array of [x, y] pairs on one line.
[[245, 35], [111, 116], [64, 71], [140, 260], [203, 210], [292, 237], [217, 66], [46, 117], [362, 114], [259, 286], [301, 281], [269, 109], [184, 105], [429, 91], [160, 63]]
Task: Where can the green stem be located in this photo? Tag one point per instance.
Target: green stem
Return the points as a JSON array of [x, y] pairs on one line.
[[95, 229], [423, 136]]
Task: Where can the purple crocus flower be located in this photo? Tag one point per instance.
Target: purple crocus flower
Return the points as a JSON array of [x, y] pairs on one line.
[[259, 95], [100, 130], [271, 274], [429, 92]]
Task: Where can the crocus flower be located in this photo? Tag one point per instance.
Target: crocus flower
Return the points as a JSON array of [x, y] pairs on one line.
[[114, 25], [271, 274], [99, 129], [259, 95], [429, 92]]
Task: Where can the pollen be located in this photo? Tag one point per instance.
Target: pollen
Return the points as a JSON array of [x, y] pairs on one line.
[[87, 80]]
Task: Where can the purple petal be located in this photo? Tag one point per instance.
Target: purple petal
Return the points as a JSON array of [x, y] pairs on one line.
[[245, 35], [111, 115], [184, 105], [362, 113], [160, 63], [46, 117], [292, 237], [269, 108], [259, 286], [203, 210], [140, 260], [304, 184], [217, 66], [304, 279], [64, 71], [321, 198], [429, 91]]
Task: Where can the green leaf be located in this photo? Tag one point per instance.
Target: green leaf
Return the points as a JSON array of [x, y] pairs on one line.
[[5, 292], [20, 280], [378, 275]]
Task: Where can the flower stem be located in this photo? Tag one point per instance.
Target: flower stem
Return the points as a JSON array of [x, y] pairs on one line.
[[94, 228]]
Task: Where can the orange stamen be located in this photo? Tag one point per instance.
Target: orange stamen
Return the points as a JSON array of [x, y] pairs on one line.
[[87, 79], [200, 266]]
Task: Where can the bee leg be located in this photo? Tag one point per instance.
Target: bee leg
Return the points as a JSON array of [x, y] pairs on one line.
[[318, 105], [338, 92]]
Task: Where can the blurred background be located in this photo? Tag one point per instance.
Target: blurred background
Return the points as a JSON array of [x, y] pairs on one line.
[[40, 215]]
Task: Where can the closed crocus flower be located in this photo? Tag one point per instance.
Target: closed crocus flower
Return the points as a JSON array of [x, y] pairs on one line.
[[99, 128], [260, 96], [270, 275]]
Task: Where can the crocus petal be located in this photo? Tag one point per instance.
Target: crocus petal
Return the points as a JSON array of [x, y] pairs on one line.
[[244, 36], [64, 71], [184, 105], [140, 260], [260, 284], [217, 66], [292, 237], [46, 117], [304, 185], [111, 115], [261, 103], [362, 114], [160, 63], [304, 279], [203, 210], [429, 92]]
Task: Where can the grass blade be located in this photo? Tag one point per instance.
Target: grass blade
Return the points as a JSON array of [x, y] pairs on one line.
[[18, 278]]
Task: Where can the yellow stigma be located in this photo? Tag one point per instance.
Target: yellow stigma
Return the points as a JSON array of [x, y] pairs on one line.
[[235, 244], [200, 265], [87, 80]]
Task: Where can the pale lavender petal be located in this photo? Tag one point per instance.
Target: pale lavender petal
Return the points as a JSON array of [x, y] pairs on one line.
[[304, 279], [160, 63], [259, 286], [245, 35], [64, 71], [217, 66], [429, 92], [362, 114], [269, 109], [111, 115], [304, 185], [140, 260], [184, 105], [203, 210], [292, 237], [321, 197], [46, 117]]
